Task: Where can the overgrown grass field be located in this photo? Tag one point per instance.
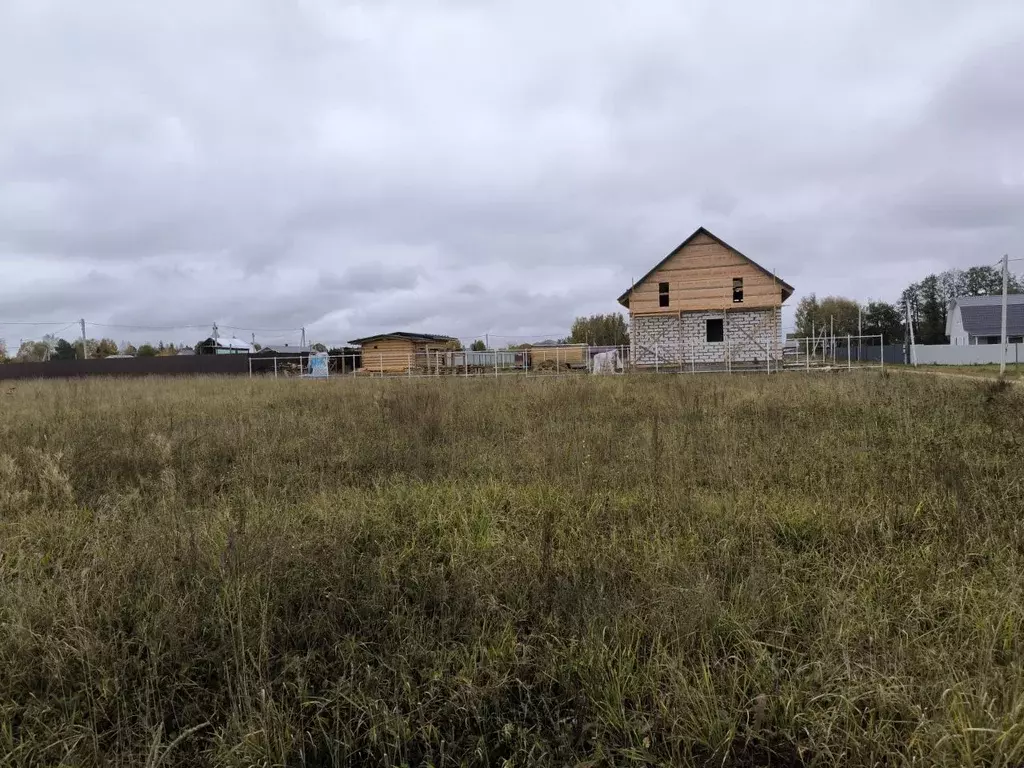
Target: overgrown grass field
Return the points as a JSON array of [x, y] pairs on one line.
[[666, 570]]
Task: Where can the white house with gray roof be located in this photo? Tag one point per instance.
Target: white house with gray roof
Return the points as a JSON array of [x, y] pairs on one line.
[[978, 319]]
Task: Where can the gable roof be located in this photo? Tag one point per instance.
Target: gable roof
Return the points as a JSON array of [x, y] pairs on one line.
[[787, 289], [405, 336], [983, 315]]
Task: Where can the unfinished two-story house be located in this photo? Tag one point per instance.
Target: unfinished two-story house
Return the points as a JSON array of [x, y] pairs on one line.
[[706, 306]]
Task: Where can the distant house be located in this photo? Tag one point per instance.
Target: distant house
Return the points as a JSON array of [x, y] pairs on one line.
[[223, 346], [274, 358], [186, 351], [978, 319], [705, 304], [400, 352], [280, 350]]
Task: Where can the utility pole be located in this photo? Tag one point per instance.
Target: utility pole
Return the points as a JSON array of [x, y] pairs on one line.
[[254, 339], [1002, 357], [910, 328], [487, 341], [216, 333], [303, 336], [85, 347]]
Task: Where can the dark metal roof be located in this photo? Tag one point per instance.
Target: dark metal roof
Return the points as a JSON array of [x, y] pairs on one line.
[[285, 349], [982, 315], [787, 289], [404, 335]]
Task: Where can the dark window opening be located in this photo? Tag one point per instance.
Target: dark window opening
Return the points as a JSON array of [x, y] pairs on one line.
[[715, 331], [662, 294], [737, 290]]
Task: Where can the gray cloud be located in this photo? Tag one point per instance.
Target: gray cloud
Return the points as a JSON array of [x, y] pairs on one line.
[[462, 168]]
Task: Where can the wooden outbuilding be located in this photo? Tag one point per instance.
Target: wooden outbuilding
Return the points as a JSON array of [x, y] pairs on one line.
[[402, 352]]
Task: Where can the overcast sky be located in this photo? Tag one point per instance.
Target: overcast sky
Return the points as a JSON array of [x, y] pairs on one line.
[[466, 167]]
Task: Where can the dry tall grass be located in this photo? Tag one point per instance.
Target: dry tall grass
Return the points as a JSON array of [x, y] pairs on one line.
[[781, 570]]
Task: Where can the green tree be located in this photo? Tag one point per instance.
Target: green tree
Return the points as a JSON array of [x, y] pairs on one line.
[[807, 313], [63, 350], [910, 300], [32, 352], [600, 330], [106, 348], [128, 349], [90, 348], [167, 351], [988, 280], [885, 319], [478, 346], [147, 350], [932, 323], [833, 314], [318, 347]]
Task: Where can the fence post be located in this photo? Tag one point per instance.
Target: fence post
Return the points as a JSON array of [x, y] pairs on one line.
[[849, 364], [275, 367], [250, 366], [807, 354], [657, 359]]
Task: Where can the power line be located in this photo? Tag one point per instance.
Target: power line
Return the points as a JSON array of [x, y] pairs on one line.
[[259, 330], [146, 327], [62, 329], [50, 322]]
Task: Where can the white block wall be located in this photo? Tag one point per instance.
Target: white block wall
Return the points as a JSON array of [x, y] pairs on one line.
[[681, 340], [959, 354]]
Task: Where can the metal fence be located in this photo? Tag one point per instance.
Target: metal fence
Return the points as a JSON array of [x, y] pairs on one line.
[[966, 354], [538, 361], [793, 355], [171, 365], [831, 352]]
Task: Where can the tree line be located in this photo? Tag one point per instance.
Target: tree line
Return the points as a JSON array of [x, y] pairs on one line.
[[52, 348], [928, 300]]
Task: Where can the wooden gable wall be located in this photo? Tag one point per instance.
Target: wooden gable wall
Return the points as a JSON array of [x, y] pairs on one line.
[[700, 276]]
